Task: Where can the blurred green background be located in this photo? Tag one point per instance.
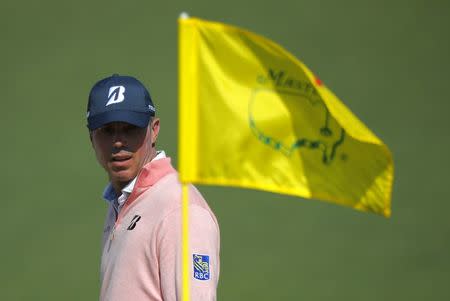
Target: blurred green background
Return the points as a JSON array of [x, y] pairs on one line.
[[387, 60]]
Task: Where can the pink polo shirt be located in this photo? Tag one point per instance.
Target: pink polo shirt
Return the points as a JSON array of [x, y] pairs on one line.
[[141, 257]]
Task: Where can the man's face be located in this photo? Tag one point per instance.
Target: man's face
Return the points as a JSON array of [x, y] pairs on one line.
[[122, 149]]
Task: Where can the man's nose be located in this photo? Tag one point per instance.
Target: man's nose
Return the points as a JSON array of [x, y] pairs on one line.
[[118, 144], [118, 139]]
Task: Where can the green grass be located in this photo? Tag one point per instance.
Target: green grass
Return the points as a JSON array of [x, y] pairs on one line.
[[388, 61]]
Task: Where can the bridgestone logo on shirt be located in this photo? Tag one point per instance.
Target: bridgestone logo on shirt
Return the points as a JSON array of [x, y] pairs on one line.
[[134, 221]]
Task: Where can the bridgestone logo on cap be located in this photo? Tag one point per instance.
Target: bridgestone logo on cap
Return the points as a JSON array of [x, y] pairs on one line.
[[115, 95]]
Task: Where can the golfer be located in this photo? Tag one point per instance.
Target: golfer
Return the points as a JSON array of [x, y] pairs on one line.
[[141, 253]]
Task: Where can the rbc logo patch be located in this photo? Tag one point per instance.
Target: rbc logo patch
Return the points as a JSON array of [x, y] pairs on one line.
[[201, 267]]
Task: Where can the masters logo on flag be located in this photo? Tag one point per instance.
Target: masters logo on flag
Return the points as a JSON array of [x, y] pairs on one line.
[[314, 129]]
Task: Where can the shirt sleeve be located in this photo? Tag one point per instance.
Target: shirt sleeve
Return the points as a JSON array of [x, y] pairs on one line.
[[203, 255]]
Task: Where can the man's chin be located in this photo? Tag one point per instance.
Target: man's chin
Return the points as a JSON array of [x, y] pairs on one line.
[[121, 176]]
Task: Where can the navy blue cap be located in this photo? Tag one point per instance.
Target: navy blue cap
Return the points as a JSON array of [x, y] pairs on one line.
[[119, 98]]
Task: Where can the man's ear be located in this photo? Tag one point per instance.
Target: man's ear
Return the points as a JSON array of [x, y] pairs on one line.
[[155, 130]]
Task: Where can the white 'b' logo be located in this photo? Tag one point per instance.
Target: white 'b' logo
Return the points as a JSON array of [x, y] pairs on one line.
[[115, 95]]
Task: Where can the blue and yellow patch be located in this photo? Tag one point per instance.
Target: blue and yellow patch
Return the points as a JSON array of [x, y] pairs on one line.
[[201, 267]]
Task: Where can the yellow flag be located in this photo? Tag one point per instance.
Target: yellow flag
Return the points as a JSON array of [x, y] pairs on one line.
[[253, 116]]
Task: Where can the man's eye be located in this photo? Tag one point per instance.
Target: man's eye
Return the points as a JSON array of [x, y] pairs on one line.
[[131, 129], [106, 130]]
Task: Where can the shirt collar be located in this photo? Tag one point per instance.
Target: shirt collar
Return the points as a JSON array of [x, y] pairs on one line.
[[109, 194]]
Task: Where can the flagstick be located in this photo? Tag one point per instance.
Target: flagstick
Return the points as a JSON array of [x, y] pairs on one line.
[[184, 222], [185, 242]]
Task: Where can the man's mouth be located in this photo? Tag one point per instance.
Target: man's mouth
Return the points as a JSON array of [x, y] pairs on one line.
[[120, 158]]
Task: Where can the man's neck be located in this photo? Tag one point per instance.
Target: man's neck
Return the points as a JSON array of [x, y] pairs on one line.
[[118, 186]]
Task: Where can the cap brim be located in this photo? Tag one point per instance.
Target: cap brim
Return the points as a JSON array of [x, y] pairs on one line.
[[140, 119]]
